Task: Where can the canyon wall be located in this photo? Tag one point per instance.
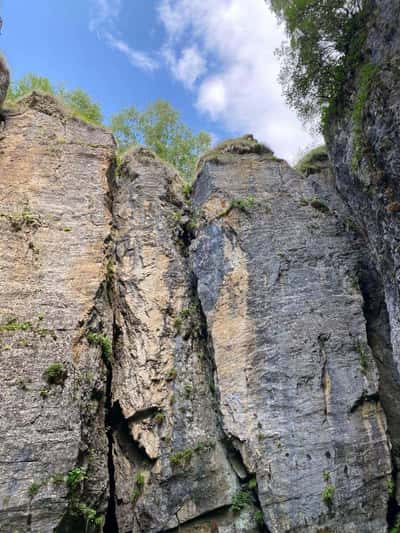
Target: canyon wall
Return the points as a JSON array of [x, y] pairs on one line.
[[215, 358], [175, 360]]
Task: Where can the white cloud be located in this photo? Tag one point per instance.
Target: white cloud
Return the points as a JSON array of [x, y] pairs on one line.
[[103, 14], [103, 19], [236, 39], [136, 57], [188, 67]]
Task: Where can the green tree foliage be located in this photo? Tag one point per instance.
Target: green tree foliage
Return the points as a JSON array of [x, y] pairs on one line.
[[324, 47], [77, 101], [159, 128]]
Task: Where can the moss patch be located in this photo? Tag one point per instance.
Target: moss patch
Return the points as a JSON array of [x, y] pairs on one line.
[[313, 162]]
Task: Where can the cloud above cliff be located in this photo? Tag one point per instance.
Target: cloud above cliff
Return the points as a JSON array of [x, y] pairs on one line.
[[104, 15], [223, 50]]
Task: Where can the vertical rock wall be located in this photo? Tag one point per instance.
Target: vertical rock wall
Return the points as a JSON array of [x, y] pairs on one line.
[[174, 364], [170, 464], [54, 221], [296, 380], [365, 155]]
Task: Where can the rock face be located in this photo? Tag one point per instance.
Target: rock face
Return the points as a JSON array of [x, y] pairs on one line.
[[171, 465], [295, 378], [54, 222], [4, 80], [220, 361], [367, 170]]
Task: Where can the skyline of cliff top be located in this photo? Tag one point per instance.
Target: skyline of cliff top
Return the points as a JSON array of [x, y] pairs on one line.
[[215, 63]]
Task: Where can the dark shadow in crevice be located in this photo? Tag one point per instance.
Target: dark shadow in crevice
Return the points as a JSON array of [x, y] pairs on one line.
[[379, 340]]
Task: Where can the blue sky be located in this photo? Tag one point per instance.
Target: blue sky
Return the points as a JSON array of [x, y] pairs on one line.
[[213, 60]]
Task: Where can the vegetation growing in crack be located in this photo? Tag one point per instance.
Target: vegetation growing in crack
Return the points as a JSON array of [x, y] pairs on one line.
[[183, 457], [242, 204], [316, 203], [26, 218], [138, 488], [34, 489], [241, 500], [99, 339], [78, 510], [55, 374], [362, 352], [159, 417], [188, 322], [328, 493], [14, 325]]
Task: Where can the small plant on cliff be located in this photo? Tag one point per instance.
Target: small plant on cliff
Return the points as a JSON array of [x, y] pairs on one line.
[[15, 325], [55, 374], [390, 487], [242, 204], [252, 484], [259, 518], [159, 418], [104, 342], [241, 500], [75, 477], [34, 489], [181, 458], [139, 486], [362, 352], [396, 527], [328, 494]]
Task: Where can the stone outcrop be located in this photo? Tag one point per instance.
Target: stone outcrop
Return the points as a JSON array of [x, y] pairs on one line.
[[171, 465], [54, 223], [297, 384], [364, 150], [4, 79], [221, 360]]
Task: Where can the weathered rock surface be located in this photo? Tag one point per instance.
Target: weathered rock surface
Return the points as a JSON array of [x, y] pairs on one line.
[[4, 80], [366, 157], [170, 464], [54, 222], [295, 377], [227, 363]]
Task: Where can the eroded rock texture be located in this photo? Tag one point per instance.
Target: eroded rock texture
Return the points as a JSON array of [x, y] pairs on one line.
[[4, 80], [296, 381], [54, 221], [170, 463], [366, 157]]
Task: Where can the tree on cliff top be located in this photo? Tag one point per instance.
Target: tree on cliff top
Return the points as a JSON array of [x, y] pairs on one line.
[[77, 101], [324, 46], [159, 128]]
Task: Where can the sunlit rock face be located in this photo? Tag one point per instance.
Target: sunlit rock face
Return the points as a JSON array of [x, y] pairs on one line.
[[297, 385], [54, 222], [217, 360]]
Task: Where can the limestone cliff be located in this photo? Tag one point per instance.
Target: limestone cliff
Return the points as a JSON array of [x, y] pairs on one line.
[[220, 360], [364, 146]]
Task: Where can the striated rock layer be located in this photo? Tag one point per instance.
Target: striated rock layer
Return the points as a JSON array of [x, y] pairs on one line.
[[364, 145], [296, 382], [175, 362], [170, 463], [54, 222]]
